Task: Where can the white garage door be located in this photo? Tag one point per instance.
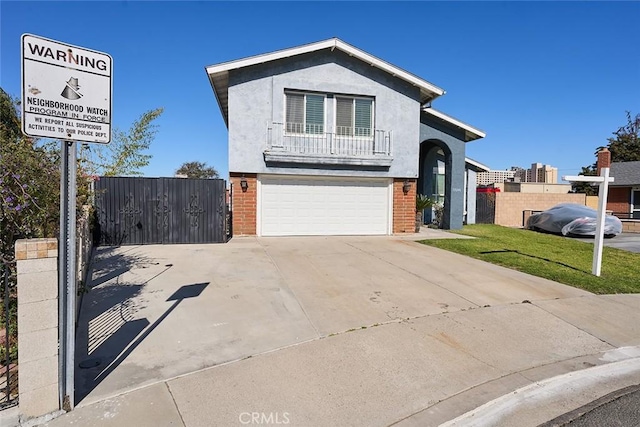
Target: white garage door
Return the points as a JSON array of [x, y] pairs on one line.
[[320, 206]]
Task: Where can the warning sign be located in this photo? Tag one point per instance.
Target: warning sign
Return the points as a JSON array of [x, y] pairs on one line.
[[66, 91]]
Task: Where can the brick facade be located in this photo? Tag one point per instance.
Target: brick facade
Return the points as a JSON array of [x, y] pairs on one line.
[[619, 199], [244, 204], [604, 160], [404, 207]]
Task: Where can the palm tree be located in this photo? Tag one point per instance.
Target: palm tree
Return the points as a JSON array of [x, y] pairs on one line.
[[422, 202]]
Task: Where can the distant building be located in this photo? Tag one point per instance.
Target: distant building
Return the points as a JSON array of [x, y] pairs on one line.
[[542, 173], [536, 173], [492, 176], [521, 175]]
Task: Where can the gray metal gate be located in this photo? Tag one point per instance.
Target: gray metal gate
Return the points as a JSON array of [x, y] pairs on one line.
[[139, 211]]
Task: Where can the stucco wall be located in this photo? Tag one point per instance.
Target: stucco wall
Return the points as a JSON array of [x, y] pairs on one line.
[[256, 97], [510, 206]]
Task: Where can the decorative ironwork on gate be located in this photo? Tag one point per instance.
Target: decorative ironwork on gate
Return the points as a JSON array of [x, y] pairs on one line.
[[194, 210], [138, 211]]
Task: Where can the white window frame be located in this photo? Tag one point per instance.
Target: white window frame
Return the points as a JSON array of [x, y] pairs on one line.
[[353, 113], [633, 201], [304, 112]]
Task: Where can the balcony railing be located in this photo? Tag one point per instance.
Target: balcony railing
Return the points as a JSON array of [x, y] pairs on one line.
[[297, 138]]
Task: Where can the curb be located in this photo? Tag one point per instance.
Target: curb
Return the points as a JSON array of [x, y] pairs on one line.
[[565, 391], [569, 417]]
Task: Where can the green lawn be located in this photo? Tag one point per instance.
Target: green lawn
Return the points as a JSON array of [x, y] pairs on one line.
[[552, 257]]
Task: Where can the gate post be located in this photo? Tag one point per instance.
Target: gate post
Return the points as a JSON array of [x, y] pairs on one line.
[[37, 265]]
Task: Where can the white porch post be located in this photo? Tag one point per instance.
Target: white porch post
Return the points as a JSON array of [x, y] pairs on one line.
[[602, 207]]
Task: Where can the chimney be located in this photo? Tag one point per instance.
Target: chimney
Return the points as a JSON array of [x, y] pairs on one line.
[[604, 159]]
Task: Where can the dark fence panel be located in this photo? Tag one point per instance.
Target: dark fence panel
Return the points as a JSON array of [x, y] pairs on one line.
[[198, 211], [138, 211], [485, 208]]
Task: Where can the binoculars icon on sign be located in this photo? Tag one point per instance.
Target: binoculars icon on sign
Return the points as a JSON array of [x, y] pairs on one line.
[[72, 89]]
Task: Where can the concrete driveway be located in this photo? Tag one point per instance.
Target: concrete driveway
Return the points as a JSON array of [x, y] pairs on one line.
[[387, 327]]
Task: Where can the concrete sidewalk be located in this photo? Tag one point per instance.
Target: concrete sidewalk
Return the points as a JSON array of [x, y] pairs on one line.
[[370, 331], [417, 372]]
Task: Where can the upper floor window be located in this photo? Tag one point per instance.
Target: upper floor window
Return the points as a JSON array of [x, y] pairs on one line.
[[304, 113], [354, 116]]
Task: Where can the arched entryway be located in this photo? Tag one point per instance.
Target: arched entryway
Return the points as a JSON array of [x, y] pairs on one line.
[[435, 177], [442, 152]]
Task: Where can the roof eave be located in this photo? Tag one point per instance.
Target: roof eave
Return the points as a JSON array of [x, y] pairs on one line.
[[428, 91], [477, 164], [471, 133], [215, 92], [434, 90]]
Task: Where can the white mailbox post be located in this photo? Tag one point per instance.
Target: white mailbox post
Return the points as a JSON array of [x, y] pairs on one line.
[[603, 181]]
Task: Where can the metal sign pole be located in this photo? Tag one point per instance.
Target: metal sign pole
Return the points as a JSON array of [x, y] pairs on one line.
[[62, 270], [66, 94], [67, 275]]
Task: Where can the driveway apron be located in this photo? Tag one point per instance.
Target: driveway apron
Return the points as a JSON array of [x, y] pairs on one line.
[[156, 312]]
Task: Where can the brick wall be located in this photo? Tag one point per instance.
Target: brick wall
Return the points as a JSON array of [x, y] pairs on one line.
[[630, 226], [592, 202], [404, 207], [510, 206], [619, 199], [244, 205]]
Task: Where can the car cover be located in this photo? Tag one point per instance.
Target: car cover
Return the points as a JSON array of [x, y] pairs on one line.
[[571, 219]]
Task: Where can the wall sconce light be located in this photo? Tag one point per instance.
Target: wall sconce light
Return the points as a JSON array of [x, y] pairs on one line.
[[244, 184], [406, 187]]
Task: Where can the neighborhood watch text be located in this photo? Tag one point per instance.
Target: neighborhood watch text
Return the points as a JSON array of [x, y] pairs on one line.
[[62, 109]]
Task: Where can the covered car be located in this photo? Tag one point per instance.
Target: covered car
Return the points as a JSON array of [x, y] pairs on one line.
[[570, 219]]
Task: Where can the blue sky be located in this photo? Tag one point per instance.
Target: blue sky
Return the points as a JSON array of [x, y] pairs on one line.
[[547, 81]]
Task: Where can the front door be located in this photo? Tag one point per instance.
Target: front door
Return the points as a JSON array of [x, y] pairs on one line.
[[635, 204]]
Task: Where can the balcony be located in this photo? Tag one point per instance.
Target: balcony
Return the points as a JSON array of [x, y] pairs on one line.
[[295, 143]]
